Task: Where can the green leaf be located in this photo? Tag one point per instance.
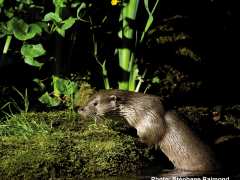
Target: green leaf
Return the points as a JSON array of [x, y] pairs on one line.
[[23, 31], [57, 86], [9, 13], [149, 23], [44, 26], [150, 17], [48, 100], [61, 32], [52, 17], [68, 23], [33, 30], [71, 88], [29, 60], [63, 86], [11, 24], [60, 25], [156, 80], [30, 52]]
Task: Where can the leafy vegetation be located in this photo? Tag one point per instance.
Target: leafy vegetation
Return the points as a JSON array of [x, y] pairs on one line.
[[19, 25], [63, 92]]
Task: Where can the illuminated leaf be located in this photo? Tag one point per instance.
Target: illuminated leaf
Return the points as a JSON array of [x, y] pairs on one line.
[[48, 100], [30, 52], [21, 30]]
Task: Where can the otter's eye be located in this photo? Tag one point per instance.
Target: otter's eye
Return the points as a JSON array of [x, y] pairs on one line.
[[95, 103]]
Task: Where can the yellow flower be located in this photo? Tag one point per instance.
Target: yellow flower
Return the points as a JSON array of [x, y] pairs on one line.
[[115, 2]]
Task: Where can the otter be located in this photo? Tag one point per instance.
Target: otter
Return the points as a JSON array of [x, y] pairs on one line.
[[154, 126]]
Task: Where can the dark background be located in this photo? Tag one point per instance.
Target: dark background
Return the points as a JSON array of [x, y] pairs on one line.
[[212, 24]]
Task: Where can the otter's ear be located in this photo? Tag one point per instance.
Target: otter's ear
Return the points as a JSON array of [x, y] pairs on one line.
[[113, 98]]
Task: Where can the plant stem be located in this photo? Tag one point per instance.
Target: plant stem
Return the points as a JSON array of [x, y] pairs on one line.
[[126, 54], [140, 81], [105, 77], [150, 17], [7, 44], [133, 73]]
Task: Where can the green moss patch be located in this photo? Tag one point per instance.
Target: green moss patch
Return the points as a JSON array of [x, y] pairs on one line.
[[61, 145]]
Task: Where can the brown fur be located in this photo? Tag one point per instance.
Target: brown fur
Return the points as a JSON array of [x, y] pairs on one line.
[[154, 126]]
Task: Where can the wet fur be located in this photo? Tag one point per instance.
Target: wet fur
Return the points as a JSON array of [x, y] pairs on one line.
[[154, 126]]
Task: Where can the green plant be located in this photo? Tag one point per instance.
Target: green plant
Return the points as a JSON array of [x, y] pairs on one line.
[[19, 25], [18, 28], [48, 21], [20, 125], [31, 52], [57, 23], [127, 56], [27, 26], [63, 93]]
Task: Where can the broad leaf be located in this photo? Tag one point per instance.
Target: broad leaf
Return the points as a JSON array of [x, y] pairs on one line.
[[48, 100], [61, 32], [30, 52], [52, 17], [29, 60], [63, 86], [68, 23], [21, 30], [44, 26]]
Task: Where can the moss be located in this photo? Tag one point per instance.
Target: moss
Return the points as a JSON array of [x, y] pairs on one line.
[[24, 158], [83, 94], [66, 147], [111, 153]]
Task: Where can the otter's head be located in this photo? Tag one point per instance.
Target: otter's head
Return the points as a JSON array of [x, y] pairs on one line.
[[99, 105]]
